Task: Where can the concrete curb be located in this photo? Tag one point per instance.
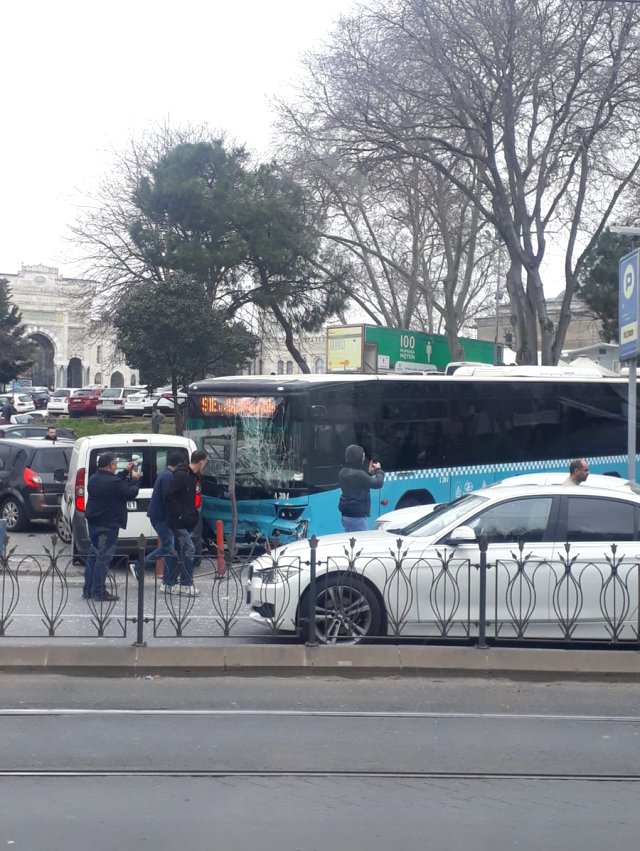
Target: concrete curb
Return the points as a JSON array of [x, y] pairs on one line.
[[286, 660]]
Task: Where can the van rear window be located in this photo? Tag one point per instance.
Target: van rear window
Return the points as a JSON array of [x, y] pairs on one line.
[[150, 460]]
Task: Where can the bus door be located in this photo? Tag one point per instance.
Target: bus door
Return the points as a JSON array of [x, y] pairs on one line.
[[221, 446]]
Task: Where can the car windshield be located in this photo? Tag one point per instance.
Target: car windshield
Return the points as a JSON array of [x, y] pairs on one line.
[[434, 523]]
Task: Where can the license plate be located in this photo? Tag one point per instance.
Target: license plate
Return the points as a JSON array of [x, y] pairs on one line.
[[132, 505]]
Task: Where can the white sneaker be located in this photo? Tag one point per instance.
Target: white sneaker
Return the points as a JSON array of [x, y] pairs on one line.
[[191, 590], [169, 589]]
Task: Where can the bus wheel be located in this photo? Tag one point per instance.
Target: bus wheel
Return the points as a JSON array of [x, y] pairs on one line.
[[347, 611]]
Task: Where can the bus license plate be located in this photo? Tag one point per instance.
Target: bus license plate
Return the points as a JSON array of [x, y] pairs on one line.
[[132, 505]]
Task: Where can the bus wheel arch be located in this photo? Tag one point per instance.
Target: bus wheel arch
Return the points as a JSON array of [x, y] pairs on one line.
[[360, 585], [416, 496]]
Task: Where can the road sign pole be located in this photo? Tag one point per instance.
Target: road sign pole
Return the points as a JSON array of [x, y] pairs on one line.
[[631, 420]]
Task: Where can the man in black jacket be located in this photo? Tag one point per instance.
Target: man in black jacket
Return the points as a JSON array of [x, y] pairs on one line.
[[357, 484], [107, 495], [182, 517]]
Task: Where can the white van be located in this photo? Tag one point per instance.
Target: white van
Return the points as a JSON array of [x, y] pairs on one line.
[[149, 452]]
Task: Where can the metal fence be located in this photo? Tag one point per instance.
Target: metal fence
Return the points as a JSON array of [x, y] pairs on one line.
[[338, 597]]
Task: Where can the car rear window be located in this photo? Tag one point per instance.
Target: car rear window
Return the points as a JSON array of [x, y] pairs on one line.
[[24, 398], [50, 459], [61, 394], [111, 393], [79, 393]]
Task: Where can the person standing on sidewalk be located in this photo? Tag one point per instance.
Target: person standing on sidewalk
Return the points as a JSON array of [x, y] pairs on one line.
[[356, 484], [157, 514], [107, 495], [182, 518]]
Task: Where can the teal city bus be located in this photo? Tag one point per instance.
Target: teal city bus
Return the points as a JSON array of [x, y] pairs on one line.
[[276, 443]]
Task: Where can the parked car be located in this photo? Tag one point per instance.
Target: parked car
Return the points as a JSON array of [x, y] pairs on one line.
[[22, 402], [136, 403], [59, 401], [149, 452], [35, 430], [364, 593], [40, 396], [83, 402], [165, 402], [402, 517], [112, 399], [32, 479]]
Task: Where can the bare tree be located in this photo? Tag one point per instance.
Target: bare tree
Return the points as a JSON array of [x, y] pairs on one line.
[[528, 107], [413, 240]]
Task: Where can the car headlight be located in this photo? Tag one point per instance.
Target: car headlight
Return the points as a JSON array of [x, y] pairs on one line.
[[272, 572]]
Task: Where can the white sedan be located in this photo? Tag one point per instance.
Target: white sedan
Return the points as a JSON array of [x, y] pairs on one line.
[[424, 581], [402, 517]]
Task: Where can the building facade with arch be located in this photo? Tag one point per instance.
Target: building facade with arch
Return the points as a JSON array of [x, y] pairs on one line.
[[67, 354]]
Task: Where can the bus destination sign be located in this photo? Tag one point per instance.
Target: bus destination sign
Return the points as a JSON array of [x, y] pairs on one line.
[[238, 406]]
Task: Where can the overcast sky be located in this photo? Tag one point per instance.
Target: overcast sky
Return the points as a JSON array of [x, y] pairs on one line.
[[80, 78]]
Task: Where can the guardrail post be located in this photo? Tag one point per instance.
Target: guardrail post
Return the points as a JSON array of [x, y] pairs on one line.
[[312, 639], [140, 621], [482, 601], [220, 547]]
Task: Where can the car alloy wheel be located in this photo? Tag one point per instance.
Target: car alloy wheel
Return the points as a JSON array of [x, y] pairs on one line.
[[13, 514], [347, 610]]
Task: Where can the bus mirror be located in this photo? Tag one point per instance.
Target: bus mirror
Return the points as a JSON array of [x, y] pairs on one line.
[[318, 411]]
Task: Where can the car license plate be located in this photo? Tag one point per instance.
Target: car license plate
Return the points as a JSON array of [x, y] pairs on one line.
[[132, 505]]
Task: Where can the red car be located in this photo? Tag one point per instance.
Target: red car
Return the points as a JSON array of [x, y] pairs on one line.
[[83, 402]]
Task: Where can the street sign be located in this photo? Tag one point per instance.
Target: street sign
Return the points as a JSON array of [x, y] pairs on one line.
[[629, 304]]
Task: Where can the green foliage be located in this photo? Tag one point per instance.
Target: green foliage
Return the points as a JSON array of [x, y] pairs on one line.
[[170, 332], [246, 235], [598, 285], [15, 349], [186, 208]]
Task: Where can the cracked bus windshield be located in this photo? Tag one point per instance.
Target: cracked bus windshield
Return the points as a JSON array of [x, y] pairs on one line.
[[268, 441]]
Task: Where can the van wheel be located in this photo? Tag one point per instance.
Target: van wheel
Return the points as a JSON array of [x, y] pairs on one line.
[[13, 515]]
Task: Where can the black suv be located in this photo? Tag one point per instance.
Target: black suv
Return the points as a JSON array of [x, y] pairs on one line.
[[32, 479]]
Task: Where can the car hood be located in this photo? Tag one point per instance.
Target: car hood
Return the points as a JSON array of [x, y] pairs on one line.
[[374, 542]]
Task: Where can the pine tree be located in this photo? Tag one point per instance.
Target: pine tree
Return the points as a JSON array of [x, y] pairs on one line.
[[16, 351]]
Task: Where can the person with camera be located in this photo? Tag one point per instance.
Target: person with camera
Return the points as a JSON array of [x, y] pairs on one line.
[[107, 495], [356, 484]]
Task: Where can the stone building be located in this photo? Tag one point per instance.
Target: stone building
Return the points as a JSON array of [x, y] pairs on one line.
[[274, 357], [67, 354], [584, 327]]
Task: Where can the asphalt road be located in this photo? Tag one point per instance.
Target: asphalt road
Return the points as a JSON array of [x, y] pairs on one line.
[[311, 763]]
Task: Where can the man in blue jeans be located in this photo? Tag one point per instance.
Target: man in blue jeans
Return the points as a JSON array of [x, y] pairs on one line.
[[183, 516], [356, 484], [107, 495], [157, 514]]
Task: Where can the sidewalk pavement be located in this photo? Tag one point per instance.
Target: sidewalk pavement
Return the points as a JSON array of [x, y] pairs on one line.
[[103, 658]]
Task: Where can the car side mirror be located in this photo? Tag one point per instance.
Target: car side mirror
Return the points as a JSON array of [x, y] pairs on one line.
[[462, 535]]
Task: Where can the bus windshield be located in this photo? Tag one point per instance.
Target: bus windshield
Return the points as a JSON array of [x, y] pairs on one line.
[[268, 440]]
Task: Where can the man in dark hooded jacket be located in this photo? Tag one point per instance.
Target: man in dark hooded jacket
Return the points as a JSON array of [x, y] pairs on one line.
[[357, 484]]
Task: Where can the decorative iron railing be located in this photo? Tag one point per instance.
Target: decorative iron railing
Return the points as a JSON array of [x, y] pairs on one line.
[[335, 596]]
